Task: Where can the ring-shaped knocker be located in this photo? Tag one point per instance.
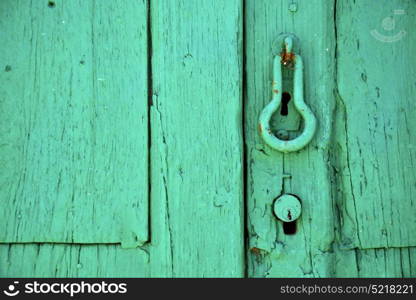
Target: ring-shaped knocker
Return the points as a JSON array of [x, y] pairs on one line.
[[309, 119]]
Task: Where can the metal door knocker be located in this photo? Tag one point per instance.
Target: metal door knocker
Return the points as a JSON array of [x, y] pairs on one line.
[[286, 58]]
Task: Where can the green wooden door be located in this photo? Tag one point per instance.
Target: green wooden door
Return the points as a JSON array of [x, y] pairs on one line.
[[122, 144], [356, 178], [129, 142]]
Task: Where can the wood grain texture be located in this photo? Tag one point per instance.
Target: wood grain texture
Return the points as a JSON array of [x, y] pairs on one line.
[[272, 253], [71, 261], [197, 175], [73, 124], [375, 144], [376, 263], [197, 183]]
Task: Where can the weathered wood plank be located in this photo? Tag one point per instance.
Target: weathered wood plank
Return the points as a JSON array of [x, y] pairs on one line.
[[66, 261], [308, 253], [197, 179], [197, 202], [393, 262], [73, 124], [374, 140]]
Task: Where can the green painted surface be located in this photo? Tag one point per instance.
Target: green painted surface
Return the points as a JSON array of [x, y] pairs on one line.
[[74, 122], [108, 107], [308, 252], [356, 179], [197, 145], [63, 260], [197, 218], [276, 104], [379, 262], [375, 137]]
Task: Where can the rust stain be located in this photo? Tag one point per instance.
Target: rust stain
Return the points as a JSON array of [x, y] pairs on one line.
[[255, 250], [260, 128], [275, 91], [288, 58]]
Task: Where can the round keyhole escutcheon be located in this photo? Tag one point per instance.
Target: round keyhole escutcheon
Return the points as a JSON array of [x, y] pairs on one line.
[[287, 208]]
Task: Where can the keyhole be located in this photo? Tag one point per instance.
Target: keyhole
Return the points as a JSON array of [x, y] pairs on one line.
[[289, 215], [289, 227], [285, 101]]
